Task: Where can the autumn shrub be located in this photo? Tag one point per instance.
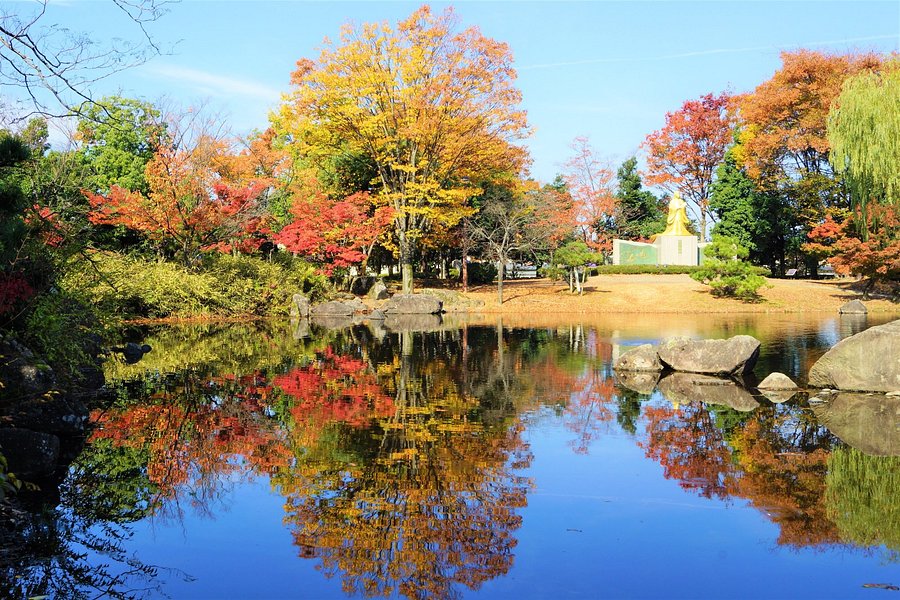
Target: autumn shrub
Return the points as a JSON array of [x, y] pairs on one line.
[[63, 328], [257, 286], [725, 271], [224, 285]]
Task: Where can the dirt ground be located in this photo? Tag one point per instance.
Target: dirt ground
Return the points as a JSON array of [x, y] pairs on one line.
[[657, 294]]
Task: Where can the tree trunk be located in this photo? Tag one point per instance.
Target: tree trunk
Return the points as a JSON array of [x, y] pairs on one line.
[[406, 262], [571, 281], [464, 272], [501, 267]]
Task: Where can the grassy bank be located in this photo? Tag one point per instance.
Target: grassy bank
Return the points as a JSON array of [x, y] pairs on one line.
[[660, 294]]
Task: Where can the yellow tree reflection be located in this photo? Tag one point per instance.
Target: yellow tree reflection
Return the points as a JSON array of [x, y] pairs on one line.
[[425, 503]]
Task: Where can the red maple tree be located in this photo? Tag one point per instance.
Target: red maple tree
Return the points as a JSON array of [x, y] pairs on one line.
[[684, 154], [334, 233]]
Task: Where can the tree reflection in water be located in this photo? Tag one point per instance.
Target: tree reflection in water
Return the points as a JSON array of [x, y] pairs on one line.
[[401, 457]]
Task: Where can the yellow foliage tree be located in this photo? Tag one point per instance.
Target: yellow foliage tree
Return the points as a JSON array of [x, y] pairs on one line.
[[434, 109]]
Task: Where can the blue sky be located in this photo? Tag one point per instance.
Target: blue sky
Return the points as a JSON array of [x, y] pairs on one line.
[[606, 70]]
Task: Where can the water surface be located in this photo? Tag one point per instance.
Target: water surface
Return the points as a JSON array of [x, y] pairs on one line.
[[452, 460]]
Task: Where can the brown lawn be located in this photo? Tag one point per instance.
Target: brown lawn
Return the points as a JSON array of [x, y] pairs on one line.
[[657, 294]]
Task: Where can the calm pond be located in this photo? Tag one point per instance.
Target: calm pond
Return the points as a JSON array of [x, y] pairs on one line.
[[500, 460]]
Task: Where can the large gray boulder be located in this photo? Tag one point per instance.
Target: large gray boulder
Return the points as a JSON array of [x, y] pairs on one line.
[[854, 307], [335, 308], [379, 291], [640, 358], [734, 356], [299, 306], [412, 304], [684, 388], [868, 422], [865, 362]]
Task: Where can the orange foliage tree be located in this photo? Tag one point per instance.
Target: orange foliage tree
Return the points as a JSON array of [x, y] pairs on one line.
[[867, 243], [684, 154], [784, 120], [194, 201], [432, 109], [783, 138]]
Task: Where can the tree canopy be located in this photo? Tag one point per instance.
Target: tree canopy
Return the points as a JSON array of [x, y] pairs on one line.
[[433, 109]]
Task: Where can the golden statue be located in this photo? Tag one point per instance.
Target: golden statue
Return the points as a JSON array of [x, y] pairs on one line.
[[677, 220]]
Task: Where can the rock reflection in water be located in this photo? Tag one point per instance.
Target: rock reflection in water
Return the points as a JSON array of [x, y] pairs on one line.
[[684, 388], [642, 382], [868, 422]]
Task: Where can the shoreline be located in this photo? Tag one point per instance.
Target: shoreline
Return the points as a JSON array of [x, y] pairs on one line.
[[658, 294], [607, 295]]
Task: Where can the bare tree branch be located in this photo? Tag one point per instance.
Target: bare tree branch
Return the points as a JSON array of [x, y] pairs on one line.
[[55, 68]]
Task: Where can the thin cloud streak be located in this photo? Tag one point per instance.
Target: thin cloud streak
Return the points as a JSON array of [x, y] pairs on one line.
[[594, 61], [218, 84]]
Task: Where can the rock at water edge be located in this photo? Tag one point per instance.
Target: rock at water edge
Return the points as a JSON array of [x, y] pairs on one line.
[[854, 307], [777, 381], [412, 304], [734, 356], [641, 358], [865, 362], [299, 306], [332, 309]]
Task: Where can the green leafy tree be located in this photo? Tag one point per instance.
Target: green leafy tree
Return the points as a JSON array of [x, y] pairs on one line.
[[119, 137], [755, 219], [640, 212], [727, 273], [575, 256]]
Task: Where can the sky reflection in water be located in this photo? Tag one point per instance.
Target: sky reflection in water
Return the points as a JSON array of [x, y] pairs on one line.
[[486, 459]]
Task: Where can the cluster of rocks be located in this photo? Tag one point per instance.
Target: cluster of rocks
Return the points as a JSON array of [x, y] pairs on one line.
[[393, 313], [716, 371], [684, 370]]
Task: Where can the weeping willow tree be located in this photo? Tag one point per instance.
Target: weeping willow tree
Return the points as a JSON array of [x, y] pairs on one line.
[[864, 133]]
